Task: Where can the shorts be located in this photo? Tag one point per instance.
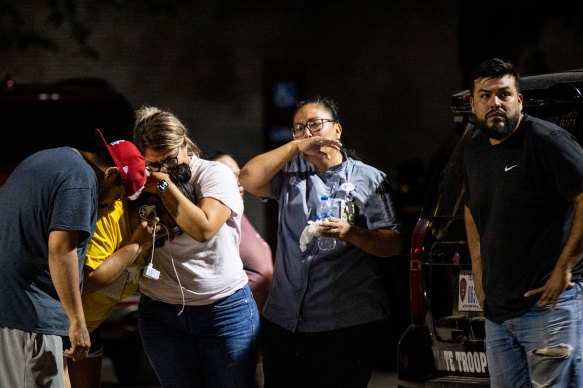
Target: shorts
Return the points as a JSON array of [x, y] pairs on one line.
[[32, 359]]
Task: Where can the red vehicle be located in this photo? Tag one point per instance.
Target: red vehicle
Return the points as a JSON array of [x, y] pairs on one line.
[[444, 345], [39, 116]]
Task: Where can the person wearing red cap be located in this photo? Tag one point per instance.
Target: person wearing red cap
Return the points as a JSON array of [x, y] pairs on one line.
[[114, 261], [48, 211]]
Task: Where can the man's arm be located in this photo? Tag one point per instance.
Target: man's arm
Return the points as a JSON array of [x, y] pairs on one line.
[[474, 247], [257, 173], [119, 260], [560, 278], [377, 242], [64, 269]]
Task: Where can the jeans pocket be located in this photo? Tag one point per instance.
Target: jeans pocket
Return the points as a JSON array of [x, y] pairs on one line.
[[564, 299], [549, 366], [568, 295]]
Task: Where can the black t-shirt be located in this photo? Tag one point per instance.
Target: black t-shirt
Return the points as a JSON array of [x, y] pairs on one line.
[[520, 193]]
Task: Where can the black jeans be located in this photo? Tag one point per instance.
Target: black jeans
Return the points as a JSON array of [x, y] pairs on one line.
[[340, 358]]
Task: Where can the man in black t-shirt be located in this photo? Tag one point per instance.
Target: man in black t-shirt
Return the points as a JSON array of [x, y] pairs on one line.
[[524, 223]]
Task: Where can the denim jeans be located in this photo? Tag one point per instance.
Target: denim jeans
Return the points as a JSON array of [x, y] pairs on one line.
[[206, 346], [541, 348]]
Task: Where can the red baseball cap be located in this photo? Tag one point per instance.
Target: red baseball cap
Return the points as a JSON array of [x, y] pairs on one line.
[[130, 162]]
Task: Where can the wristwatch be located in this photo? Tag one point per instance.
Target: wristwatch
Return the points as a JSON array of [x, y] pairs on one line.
[[162, 185]]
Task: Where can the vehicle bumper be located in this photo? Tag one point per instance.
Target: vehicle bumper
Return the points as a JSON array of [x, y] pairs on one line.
[[447, 382]]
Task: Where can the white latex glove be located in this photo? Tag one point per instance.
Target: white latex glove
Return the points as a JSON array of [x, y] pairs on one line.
[[308, 234]]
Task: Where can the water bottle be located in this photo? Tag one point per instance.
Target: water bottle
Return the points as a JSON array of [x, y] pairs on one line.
[[326, 209]]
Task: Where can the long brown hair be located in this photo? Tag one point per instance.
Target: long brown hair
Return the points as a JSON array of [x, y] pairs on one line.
[[161, 131]]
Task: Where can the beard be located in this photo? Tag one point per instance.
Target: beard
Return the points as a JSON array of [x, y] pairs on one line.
[[499, 129]]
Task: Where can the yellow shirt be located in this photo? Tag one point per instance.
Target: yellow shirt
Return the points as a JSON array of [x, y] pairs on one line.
[[112, 233]]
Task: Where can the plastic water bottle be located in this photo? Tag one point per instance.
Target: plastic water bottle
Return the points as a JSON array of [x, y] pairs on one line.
[[325, 210]]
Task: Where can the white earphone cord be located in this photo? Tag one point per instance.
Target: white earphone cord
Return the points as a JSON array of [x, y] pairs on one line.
[[171, 258]]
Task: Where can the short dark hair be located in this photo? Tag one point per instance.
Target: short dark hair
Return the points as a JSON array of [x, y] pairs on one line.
[[101, 155], [103, 158], [494, 68], [325, 102]]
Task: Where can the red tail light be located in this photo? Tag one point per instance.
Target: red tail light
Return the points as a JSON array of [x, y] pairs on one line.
[[416, 269], [3, 177]]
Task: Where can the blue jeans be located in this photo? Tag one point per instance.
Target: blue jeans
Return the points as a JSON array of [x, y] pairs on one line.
[[541, 348], [206, 346]]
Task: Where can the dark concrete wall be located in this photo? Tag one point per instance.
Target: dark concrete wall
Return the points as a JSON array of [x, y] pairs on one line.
[[391, 66]]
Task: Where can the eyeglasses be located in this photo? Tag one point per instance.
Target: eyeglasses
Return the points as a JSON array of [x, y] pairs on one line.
[[313, 126], [168, 163]]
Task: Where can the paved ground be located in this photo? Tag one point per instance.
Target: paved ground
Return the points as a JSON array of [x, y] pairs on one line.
[[383, 379], [380, 379]]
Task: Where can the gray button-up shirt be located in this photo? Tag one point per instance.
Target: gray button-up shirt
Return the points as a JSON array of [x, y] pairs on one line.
[[315, 290]]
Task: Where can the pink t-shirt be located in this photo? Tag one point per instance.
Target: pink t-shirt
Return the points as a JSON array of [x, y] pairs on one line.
[[257, 262]]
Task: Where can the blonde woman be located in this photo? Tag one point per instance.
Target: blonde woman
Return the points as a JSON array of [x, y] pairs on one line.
[[198, 319]]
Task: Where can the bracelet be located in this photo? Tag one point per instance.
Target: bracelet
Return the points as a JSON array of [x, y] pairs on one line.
[[162, 185]]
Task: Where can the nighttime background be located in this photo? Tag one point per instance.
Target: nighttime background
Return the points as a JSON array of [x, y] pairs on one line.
[[230, 69], [391, 66]]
